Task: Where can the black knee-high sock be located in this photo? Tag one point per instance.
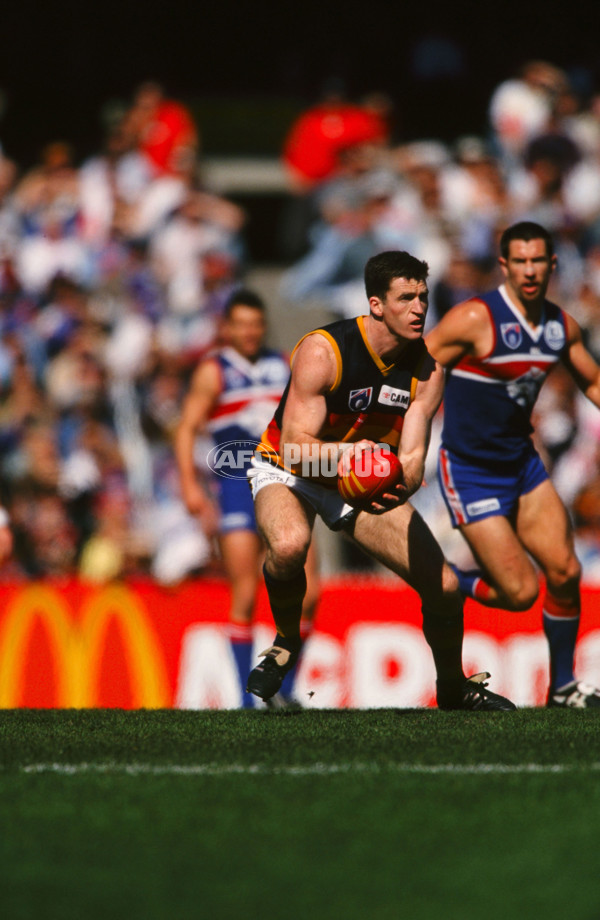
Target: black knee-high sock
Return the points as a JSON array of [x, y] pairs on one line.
[[444, 635], [286, 597]]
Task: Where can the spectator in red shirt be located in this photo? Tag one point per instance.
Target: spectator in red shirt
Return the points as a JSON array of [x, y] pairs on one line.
[[162, 126], [313, 145]]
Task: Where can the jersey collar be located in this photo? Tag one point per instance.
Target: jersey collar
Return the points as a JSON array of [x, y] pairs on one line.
[[533, 332]]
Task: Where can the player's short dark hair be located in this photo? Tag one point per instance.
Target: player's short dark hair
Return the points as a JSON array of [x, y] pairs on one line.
[[381, 270], [525, 230], [243, 297]]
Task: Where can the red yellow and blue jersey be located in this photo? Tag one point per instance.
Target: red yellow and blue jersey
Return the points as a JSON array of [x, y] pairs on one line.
[[250, 390], [368, 399], [488, 401]]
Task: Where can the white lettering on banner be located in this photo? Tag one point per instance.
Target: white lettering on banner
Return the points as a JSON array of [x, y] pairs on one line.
[[388, 665], [526, 668], [207, 677], [378, 665], [588, 658], [481, 652], [320, 682]]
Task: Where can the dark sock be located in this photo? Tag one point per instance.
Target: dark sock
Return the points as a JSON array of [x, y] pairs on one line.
[[286, 597], [561, 624], [444, 635], [561, 634]]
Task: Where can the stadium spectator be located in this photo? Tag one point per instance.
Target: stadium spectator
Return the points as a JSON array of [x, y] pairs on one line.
[[9, 220], [354, 383], [163, 128], [314, 143], [110, 185], [201, 224], [49, 193], [523, 106], [336, 137], [499, 349]]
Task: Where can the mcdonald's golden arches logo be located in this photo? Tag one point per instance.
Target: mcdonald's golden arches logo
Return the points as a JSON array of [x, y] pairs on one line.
[[77, 645]]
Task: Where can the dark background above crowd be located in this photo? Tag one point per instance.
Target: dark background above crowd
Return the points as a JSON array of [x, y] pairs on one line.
[[63, 63]]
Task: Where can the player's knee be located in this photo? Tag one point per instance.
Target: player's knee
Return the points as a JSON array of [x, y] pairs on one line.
[[449, 581], [566, 579], [523, 595], [442, 594], [287, 552]]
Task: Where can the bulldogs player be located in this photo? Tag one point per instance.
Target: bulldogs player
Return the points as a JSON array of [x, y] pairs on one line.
[[499, 349], [232, 396]]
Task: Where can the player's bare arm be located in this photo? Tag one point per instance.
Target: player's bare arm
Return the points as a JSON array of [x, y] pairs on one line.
[[416, 431], [464, 330], [313, 375], [581, 364], [314, 371], [197, 406]]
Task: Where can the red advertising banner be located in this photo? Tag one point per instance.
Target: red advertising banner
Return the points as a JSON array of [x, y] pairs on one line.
[[136, 644]]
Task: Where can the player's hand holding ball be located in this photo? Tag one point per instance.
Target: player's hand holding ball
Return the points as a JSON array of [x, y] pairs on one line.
[[370, 478]]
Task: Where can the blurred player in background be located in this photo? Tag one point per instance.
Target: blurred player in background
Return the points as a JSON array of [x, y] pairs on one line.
[[232, 397], [6, 536], [499, 348], [354, 383]]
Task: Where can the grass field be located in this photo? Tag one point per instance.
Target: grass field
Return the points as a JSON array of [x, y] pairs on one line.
[[319, 814]]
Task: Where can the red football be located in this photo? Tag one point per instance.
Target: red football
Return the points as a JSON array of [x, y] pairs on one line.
[[375, 471]]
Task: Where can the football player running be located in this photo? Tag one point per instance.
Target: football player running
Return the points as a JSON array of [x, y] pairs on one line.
[[231, 397], [355, 383], [499, 349]]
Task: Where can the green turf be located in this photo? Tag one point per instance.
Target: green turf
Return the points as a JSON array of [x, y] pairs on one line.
[[323, 818]]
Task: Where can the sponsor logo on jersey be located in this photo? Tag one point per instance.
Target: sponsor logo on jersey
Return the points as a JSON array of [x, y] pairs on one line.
[[554, 334], [483, 506], [390, 396], [512, 334], [358, 400]]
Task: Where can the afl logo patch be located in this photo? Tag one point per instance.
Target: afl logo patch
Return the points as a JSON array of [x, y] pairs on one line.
[[554, 334], [358, 400], [512, 334]]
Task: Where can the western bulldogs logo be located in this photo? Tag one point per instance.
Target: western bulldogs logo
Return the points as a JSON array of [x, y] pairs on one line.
[[234, 379], [512, 334], [358, 400], [554, 334]]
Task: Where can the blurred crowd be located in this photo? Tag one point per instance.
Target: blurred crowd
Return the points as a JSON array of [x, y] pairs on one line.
[[113, 277], [114, 274]]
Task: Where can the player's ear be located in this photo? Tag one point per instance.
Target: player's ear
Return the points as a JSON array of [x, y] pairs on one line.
[[553, 262], [503, 264], [376, 306]]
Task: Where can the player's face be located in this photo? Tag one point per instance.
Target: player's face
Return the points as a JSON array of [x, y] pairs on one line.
[[527, 269], [245, 330], [404, 307]]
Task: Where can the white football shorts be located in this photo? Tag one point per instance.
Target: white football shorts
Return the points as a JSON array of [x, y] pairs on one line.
[[329, 504]]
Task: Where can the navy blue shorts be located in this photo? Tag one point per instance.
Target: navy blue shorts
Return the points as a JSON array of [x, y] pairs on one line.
[[473, 492], [237, 507]]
